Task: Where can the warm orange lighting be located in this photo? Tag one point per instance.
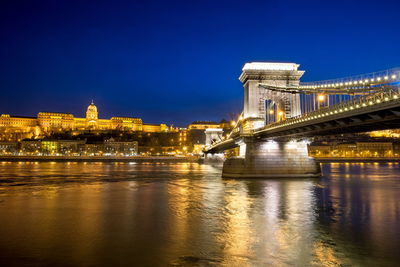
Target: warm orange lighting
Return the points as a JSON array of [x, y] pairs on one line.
[[271, 111], [321, 98]]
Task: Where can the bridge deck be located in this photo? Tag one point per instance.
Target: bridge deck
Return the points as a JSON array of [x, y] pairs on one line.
[[374, 112]]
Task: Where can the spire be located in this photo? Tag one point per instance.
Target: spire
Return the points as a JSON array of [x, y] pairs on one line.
[[92, 102]]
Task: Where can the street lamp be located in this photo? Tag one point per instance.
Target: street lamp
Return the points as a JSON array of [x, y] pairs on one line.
[[280, 115], [321, 99]]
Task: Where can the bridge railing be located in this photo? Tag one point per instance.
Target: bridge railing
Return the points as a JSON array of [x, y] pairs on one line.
[[369, 79], [354, 104]]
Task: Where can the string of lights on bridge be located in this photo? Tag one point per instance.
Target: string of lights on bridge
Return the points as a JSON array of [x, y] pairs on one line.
[[348, 106], [365, 80], [353, 85]]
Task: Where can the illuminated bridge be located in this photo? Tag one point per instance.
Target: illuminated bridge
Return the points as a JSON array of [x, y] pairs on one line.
[[281, 115]]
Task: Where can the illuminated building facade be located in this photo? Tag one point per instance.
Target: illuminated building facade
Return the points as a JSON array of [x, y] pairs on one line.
[[355, 150], [108, 147], [154, 128], [8, 147], [17, 128], [202, 125]]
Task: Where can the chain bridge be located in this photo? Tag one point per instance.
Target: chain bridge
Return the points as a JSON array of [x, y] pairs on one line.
[[281, 115]]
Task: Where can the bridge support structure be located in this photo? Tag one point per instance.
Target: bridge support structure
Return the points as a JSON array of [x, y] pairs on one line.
[[213, 135], [286, 105], [272, 114], [272, 159]]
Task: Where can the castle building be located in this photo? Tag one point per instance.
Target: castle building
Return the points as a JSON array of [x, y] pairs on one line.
[[15, 128]]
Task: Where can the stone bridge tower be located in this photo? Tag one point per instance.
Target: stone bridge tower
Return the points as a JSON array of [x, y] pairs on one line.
[[274, 75], [270, 158], [213, 135]]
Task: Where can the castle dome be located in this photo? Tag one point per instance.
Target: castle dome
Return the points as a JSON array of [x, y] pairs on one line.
[[91, 112], [92, 107]]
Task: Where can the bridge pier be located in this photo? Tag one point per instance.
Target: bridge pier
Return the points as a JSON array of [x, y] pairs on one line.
[[272, 159]]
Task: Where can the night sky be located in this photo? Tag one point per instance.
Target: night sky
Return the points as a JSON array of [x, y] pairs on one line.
[[178, 61]]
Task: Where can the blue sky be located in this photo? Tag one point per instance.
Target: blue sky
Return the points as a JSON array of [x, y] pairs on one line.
[[178, 61]]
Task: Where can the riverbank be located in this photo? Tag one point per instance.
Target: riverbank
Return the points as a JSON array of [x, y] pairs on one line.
[[99, 158], [371, 159], [165, 159]]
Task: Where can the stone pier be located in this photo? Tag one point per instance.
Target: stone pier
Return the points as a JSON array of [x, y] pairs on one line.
[[272, 159]]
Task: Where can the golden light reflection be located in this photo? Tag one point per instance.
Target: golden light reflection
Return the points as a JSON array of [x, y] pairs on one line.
[[237, 235], [179, 196], [325, 256]]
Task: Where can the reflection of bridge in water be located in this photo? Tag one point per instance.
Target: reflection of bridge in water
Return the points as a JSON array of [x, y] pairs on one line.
[[281, 114]]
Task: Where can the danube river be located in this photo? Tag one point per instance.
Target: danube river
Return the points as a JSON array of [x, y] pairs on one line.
[[185, 214]]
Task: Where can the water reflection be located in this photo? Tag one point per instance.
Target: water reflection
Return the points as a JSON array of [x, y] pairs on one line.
[[186, 215]]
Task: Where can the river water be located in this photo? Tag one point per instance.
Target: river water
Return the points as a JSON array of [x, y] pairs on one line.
[[185, 214]]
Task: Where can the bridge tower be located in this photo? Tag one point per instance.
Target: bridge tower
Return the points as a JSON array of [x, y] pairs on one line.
[[213, 135], [269, 158], [272, 74]]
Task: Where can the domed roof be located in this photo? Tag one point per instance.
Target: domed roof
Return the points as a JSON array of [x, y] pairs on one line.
[[92, 107]]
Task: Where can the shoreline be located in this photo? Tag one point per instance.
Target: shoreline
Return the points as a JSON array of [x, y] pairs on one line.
[[163, 159], [97, 159], [327, 160]]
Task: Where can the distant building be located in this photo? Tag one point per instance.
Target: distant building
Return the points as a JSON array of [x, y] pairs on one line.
[[152, 128], [202, 125], [109, 147], [49, 121], [31, 146], [375, 149], [8, 147], [196, 130], [355, 149], [113, 147], [17, 128], [125, 123], [319, 151]]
